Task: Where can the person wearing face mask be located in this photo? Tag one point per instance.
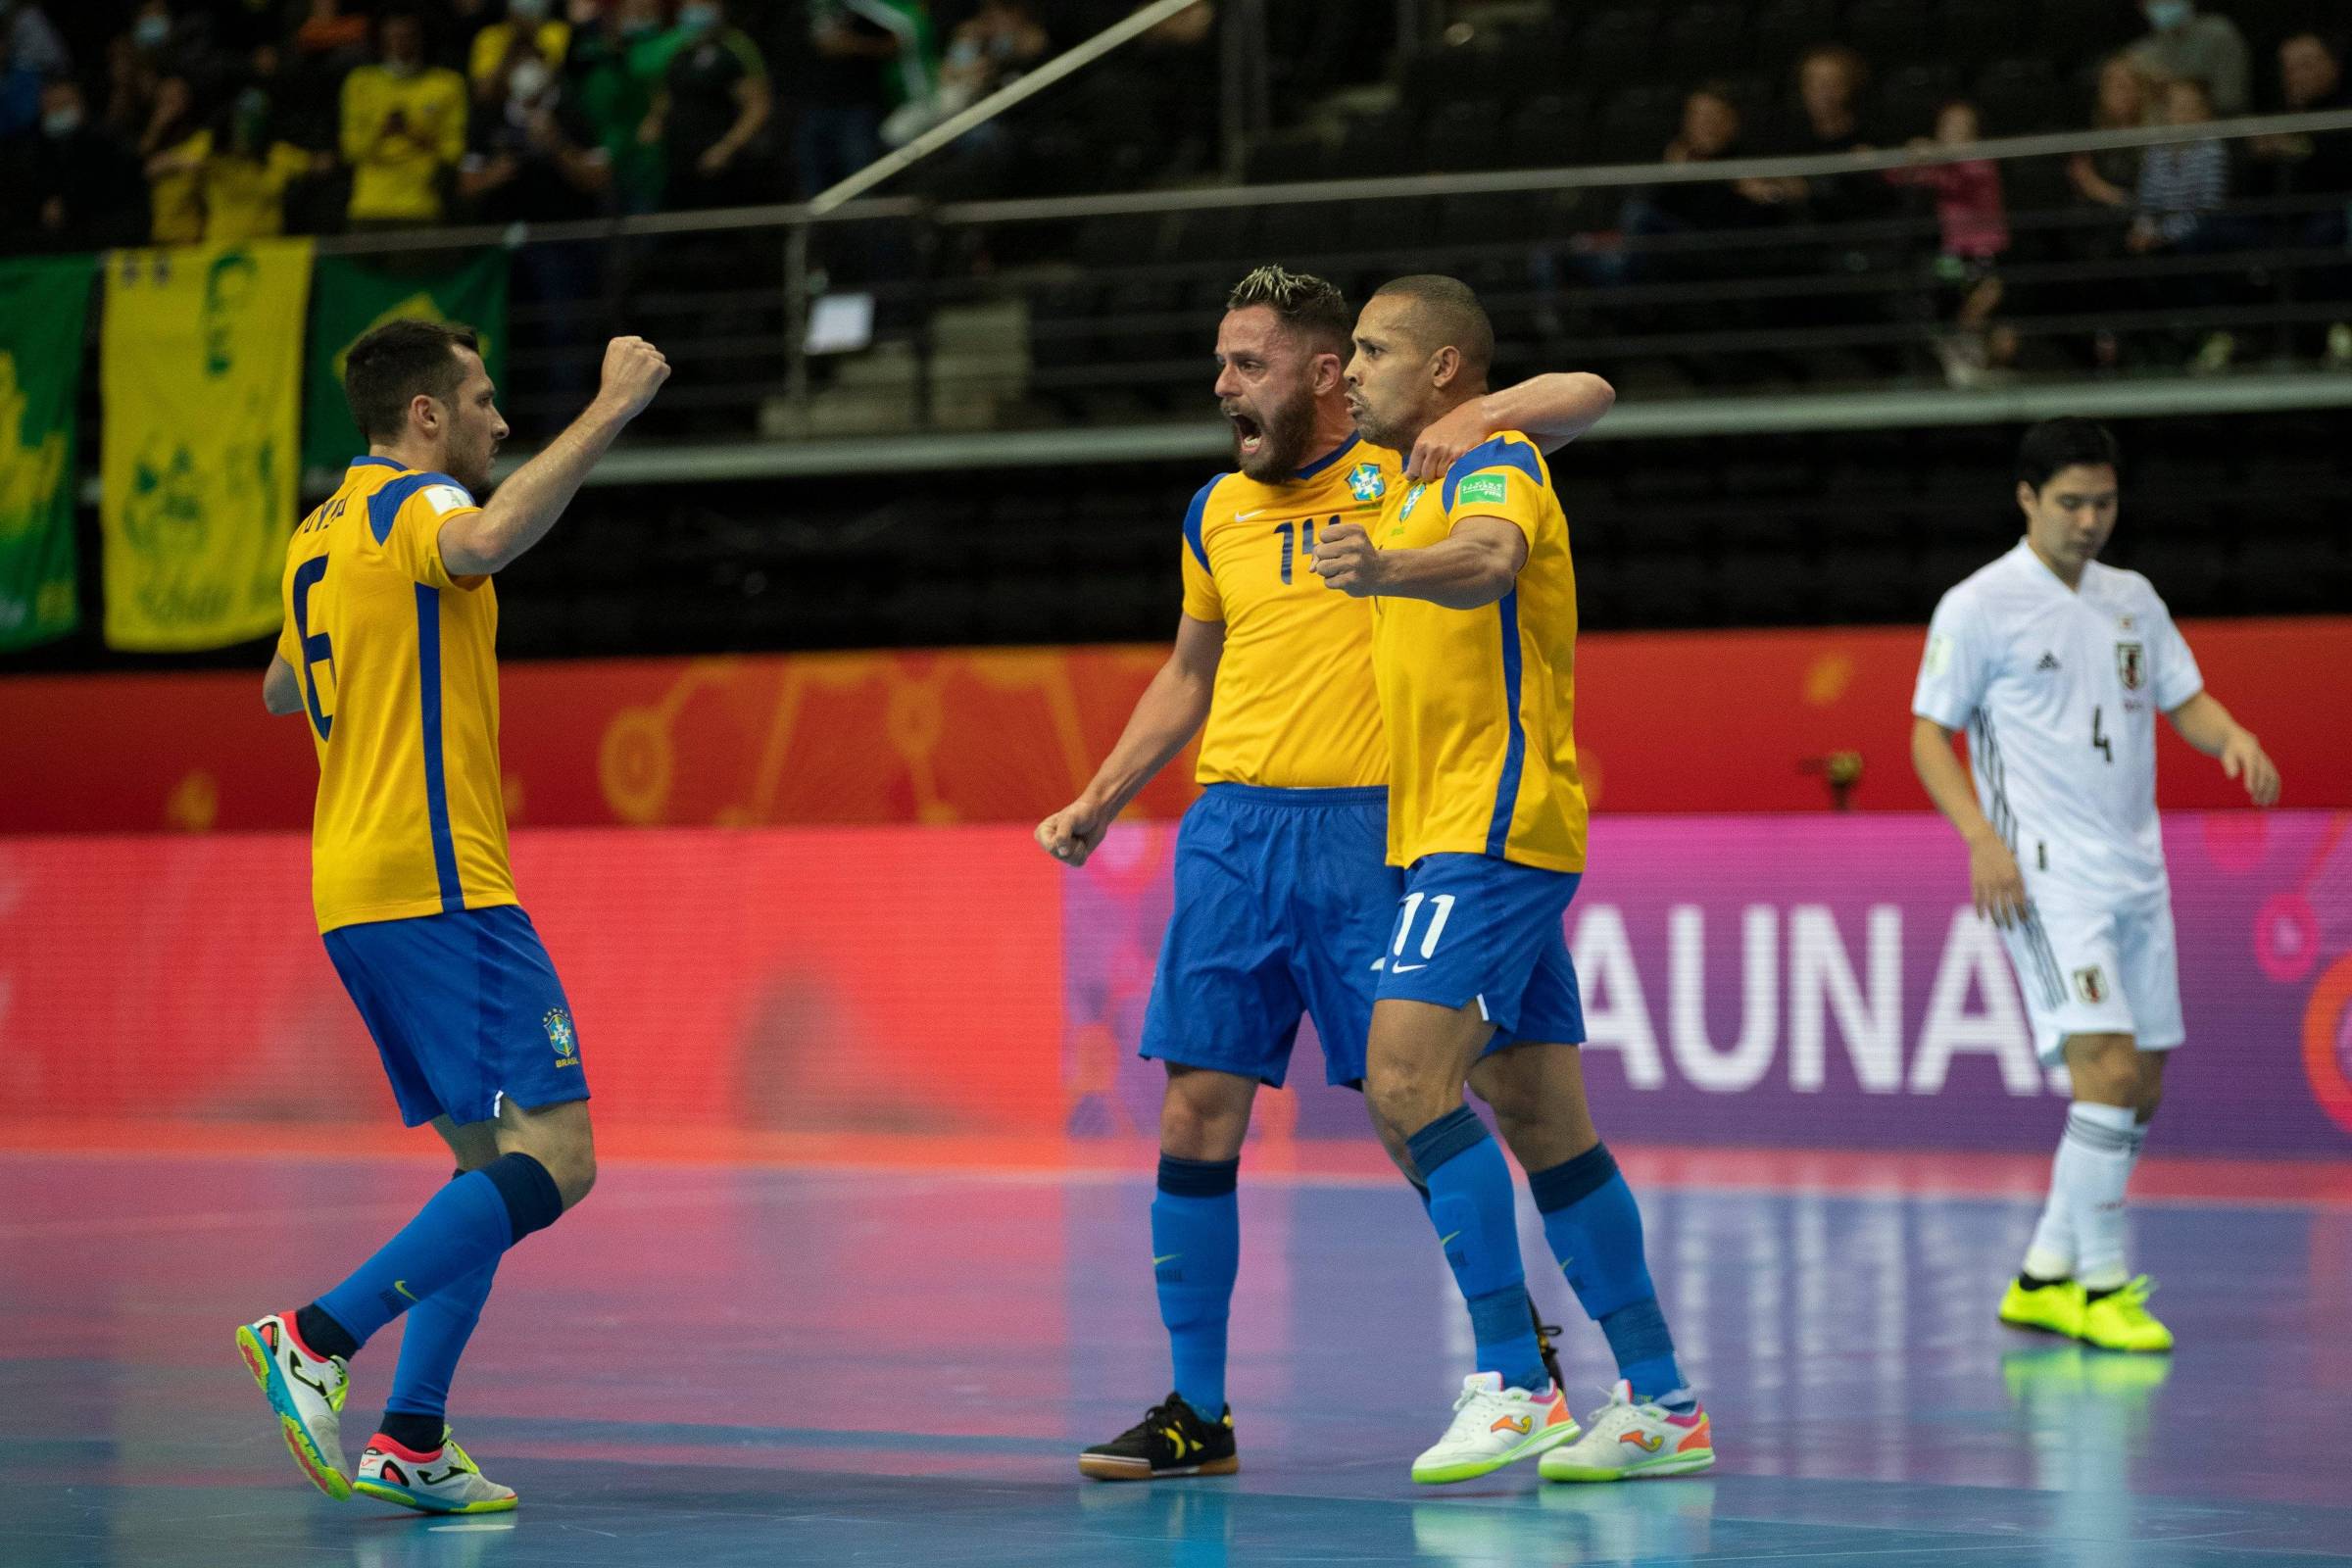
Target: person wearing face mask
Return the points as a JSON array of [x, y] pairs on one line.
[[404, 131], [174, 148], [528, 22], [532, 156], [614, 66], [80, 183], [714, 102], [2202, 47]]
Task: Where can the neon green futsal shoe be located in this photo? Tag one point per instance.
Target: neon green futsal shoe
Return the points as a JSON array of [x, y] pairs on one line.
[[2053, 1308], [444, 1480], [2121, 1321], [305, 1394]]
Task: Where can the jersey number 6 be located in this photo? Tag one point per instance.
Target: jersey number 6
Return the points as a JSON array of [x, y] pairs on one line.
[[315, 650]]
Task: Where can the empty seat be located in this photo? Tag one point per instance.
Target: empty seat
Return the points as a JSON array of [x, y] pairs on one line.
[[2022, 97], [1462, 135], [1889, 32], [1617, 47], [1546, 132], [1709, 39], [1638, 124], [1785, 28]]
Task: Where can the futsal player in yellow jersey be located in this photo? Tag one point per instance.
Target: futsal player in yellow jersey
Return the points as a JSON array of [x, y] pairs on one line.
[[1474, 645], [1281, 889], [389, 654]]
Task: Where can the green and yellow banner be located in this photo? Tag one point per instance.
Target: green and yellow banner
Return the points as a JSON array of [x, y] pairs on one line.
[[44, 307], [200, 369], [349, 299]]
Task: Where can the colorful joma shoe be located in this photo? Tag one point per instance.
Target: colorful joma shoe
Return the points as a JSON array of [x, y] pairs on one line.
[[2052, 1308], [445, 1480], [305, 1392], [1170, 1441], [1493, 1426], [2120, 1321], [1630, 1440]]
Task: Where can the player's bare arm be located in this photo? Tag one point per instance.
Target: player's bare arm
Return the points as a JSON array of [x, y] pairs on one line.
[[1166, 717], [1995, 884], [527, 504], [281, 688], [2206, 724], [1473, 566], [1550, 410]]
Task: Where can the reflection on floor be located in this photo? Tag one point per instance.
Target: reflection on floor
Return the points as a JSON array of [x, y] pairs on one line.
[[732, 1365]]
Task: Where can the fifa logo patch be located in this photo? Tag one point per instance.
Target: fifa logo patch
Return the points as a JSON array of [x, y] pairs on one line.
[[561, 1036], [2091, 985], [1366, 482], [2131, 663]]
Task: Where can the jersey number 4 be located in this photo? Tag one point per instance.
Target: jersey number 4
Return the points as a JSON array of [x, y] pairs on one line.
[[316, 649], [2100, 740]]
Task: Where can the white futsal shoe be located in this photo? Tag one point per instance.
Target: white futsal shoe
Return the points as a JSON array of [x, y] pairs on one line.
[[1493, 1426], [305, 1392], [1630, 1440], [444, 1480]]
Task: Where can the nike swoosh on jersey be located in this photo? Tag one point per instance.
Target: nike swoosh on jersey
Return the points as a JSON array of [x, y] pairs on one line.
[[1406, 968]]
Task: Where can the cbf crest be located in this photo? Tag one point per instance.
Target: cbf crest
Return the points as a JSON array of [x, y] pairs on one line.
[[1366, 482], [2131, 663], [561, 1036]]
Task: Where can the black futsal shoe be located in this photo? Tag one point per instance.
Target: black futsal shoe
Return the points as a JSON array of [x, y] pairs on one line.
[[1170, 1441]]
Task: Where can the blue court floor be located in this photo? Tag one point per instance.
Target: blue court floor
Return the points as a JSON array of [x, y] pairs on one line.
[[716, 1366]]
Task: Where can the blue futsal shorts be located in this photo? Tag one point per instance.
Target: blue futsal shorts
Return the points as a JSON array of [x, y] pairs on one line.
[[1282, 896], [465, 1009], [1473, 928]]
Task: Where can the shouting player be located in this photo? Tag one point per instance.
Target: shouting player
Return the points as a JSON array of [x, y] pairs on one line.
[[2058, 665], [1281, 893], [389, 649], [1474, 645]]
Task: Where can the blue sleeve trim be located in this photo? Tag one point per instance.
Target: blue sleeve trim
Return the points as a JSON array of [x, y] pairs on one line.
[[436, 777], [1327, 458], [1514, 754], [1194, 517], [384, 507], [1504, 452]]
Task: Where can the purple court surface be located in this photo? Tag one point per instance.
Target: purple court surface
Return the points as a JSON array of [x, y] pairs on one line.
[[724, 1366]]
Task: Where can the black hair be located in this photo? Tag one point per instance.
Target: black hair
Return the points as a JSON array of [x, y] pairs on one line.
[[396, 363], [2057, 444], [1446, 314]]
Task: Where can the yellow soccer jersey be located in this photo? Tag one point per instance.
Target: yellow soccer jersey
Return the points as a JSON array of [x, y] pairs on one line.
[[1295, 706], [399, 673], [1481, 703]]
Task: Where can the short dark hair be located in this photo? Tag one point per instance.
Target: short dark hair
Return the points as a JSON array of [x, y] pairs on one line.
[[1307, 305], [397, 361], [2057, 444], [1446, 314]]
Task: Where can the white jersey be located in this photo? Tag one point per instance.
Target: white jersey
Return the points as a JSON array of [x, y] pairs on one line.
[[2058, 690]]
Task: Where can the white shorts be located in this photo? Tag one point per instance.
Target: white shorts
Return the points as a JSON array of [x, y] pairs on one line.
[[2087, 970]]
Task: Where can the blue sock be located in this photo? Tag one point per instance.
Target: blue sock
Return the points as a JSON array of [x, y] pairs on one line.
[[467, 1227], [1195, 1253], [1470, 1205], [1594, 1227], [431, 1342]]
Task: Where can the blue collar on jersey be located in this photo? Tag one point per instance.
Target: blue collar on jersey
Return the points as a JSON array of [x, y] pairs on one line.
[[382, 463], [1328, 459]]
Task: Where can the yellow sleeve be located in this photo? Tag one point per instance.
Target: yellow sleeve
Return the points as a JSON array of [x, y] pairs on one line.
[[489, 51], [287, 164], [289, 645], [1201, 601], [414, 543], [362, 115], [453, 124], [1503, 479]]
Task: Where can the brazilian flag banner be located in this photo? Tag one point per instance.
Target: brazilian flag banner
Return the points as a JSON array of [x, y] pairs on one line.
[[350, 298], [44, 307], [199, 367]]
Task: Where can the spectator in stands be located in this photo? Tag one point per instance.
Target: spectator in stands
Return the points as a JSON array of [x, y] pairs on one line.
[[999, 44], [2124, 101], [533, 155], [2311, 81], [616, 61], [712, 106], [2205, 48], [1972, 222], [2182, 188], [78, 182], [327, 34], [489, 61], [1710, 133], [247, 177], [852, 46], [30, 53], [404, 131], [174, 149]]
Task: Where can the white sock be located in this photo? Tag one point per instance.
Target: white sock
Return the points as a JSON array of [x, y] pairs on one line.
[[2094, 1167], [2050, 1256]]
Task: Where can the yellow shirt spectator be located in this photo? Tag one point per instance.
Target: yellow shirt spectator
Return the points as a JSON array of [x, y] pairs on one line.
[[175, 190], [245, 193], [403, 131], [553, 40]]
